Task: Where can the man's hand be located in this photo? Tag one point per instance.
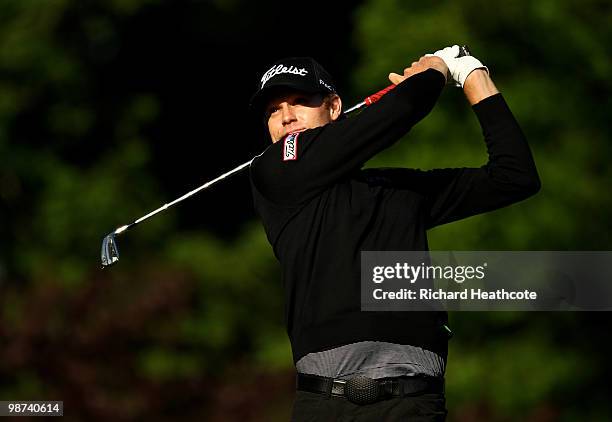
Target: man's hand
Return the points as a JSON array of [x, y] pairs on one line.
[[469, 73], [459, 67], [424, 63]]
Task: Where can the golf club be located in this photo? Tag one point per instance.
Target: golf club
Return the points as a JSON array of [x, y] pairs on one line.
[[110, 251]]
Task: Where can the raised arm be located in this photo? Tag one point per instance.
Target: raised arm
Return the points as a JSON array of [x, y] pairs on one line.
[[510, 174], [508, 177]]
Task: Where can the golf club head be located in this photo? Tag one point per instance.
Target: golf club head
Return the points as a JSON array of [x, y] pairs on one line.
[[110, 251]]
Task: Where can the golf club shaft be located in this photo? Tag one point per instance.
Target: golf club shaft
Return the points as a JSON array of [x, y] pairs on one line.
[[464, 51], [210, 183], [187, 195]]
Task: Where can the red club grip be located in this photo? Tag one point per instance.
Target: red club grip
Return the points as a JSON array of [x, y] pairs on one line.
[[463, 51], [377, 96]]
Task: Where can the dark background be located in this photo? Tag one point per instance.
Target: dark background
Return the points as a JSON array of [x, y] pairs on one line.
[[108, 109]]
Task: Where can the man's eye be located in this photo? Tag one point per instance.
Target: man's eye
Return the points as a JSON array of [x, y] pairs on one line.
[[272, 110], [301, 100]]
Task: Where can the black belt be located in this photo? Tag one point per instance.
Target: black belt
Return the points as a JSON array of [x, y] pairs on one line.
[[363, 390]]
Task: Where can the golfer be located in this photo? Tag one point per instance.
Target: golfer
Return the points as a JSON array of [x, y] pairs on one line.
[[320, 210]]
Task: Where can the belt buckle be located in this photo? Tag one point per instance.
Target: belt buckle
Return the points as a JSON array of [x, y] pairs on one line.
[[362, 390]]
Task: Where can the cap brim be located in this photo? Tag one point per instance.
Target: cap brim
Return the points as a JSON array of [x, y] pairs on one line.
[[260, 99]]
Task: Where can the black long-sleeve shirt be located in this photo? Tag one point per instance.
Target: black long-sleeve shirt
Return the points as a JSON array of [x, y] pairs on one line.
[[320, 211]]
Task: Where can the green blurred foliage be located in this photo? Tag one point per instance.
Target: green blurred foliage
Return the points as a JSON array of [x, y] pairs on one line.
[[188, 319], [158, 332]]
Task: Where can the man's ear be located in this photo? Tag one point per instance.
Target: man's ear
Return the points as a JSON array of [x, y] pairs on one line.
[[335, 108]]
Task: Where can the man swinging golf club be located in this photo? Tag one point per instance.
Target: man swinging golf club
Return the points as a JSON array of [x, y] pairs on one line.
[[320, 209]]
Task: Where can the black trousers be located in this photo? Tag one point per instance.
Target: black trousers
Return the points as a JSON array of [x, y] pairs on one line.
[[311, 407]]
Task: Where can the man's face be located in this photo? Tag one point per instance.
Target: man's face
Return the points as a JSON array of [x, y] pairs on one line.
[[294, 111]]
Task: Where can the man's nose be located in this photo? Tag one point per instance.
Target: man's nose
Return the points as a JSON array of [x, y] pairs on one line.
[[288, 113]]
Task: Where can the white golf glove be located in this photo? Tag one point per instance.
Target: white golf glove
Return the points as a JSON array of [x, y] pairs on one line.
[[458, 67]]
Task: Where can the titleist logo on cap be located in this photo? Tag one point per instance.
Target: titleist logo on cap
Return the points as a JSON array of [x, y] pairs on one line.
[[281, 68]]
